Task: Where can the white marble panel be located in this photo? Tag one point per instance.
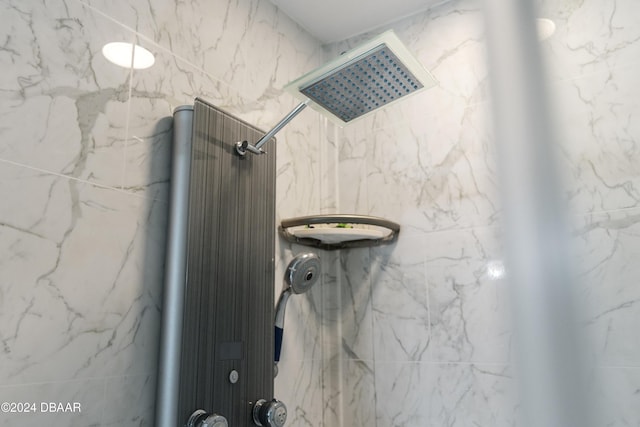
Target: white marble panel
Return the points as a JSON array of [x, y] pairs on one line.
[[422, 394], [352, 170], [356, 315], [607, 250], [299, 386], [250, 45], [468, 297], [298, 188], [330, 286], [206, 34], [89, 394], [63, 105], [401, 329], [599, 134], [88, 305], [358, 394], [616, 399], [332, 392], [329, 141], [591, 36], [444, 178], [129, 401]]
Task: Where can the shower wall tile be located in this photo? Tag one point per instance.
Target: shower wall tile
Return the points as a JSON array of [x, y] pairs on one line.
[[88, 301], [299, 385], [129, 401], [356, 311], [352, 171], [447, 175], [331, 338], [468, 297], [400, 306], [63, 105], [359, 393], [598, 127], [89, 394], [330, 290], [423, 394], [591, 37], [429, 164], [249, 44], [329, 181], [82, 259], [298, 176], [607, 276], [616, 399]]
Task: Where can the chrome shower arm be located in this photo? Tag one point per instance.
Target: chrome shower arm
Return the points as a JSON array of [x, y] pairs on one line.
[[243, 146]]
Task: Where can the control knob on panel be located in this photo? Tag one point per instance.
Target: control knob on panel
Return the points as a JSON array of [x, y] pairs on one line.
[[269, 414], [201, 418]]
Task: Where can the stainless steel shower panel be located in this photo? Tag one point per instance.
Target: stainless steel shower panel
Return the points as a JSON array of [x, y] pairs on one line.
[[175, 271], [227, 336]]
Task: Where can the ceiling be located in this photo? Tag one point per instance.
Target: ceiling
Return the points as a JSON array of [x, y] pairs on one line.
[[336, 20]]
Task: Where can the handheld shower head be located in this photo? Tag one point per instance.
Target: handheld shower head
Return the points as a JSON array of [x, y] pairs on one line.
[[302, 273]]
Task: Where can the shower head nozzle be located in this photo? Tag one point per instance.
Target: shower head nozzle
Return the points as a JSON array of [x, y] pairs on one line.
[[373, 75], [370, 76], [303, 272]]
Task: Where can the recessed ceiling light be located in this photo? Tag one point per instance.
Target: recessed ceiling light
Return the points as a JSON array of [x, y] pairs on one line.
[[546, 28], [122, 53]]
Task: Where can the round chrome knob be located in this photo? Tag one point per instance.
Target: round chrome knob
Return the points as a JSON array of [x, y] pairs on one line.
[[215, 420], [201, 418], [269, 414]]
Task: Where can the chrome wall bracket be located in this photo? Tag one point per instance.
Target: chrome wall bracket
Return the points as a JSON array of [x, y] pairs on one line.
[[243, 147]]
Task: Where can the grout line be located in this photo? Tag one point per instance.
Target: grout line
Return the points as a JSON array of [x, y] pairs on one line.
[[93, 184], [373, 334], [246, 100], [426, 290], [104, 399], [74, 380]]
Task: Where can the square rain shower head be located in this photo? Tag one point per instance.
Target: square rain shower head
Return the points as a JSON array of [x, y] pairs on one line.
[[373, 75]]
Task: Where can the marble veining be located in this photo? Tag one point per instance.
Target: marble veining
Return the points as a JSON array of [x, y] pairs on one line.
[[413, 334], [84, 161], [441, 328]]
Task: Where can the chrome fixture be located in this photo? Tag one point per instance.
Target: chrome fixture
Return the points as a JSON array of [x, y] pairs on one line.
[[201, 418], [373, 75], [269, 414], [302, 273]]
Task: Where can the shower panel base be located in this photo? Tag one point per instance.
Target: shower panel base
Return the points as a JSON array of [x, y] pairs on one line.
[[225, 363]]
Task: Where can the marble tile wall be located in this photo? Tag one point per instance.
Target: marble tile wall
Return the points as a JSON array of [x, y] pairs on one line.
[[425, 324], [84, 167], [410, 335]]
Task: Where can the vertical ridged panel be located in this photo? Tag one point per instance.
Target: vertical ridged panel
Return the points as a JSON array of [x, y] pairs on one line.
[[230, 271]]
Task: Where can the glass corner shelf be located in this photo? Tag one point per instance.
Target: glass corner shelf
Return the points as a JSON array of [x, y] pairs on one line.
[[331, 232]]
